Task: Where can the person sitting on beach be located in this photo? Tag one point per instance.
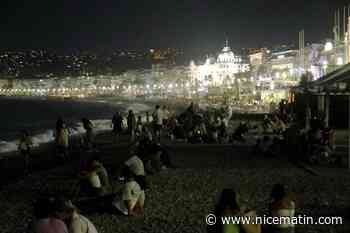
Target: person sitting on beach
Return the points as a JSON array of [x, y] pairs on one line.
[[135, 165], [89, 136], [76, 222], [117, 124], [196, 135], [131, 199], [179, 131], [46, 217], [165, 115], [266, 123], [229, 206], [282, 204], [279, 125], [222, 130], [102, 174], [240, 131], [204, 132], [152, 156], [145, 134], [172, 123], [212, 130], [24, 147], [90, 181], [62, 141]]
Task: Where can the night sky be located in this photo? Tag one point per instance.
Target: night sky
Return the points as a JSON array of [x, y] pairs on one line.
[[196, 24]]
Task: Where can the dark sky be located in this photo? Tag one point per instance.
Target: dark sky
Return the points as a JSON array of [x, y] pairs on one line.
[[161, 23]]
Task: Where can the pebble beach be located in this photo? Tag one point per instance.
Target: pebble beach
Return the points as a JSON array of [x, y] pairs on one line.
[[178, 200]]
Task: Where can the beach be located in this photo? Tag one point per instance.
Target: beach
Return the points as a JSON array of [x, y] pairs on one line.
[[178, 200]]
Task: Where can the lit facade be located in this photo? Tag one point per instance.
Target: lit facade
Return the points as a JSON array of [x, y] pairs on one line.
[[219, 71]]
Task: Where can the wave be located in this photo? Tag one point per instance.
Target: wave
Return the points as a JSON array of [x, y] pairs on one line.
[[48, 135]]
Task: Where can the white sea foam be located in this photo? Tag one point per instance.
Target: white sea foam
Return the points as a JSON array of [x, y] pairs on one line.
[[47, 136]]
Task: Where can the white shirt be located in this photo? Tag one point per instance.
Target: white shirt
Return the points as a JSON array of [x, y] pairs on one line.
[[165, 114], [159, 116], [81, 224], [136, 165], [131, 192], [94, 180]]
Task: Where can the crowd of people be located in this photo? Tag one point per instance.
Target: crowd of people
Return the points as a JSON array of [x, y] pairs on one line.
[[193, 125], [311, 141], [95, 189], [279, 134]]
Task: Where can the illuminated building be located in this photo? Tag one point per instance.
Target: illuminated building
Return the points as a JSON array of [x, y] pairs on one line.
[[219, 71]]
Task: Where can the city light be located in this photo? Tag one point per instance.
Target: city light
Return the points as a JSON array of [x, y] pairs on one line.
[[340, 61], [328, 46]]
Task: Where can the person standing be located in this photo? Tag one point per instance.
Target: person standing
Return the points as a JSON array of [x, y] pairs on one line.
[[131, 120], [117, 124], [62, 141], [138, 128], [147, 118], [157, 122], [24, 147], [89, 137]]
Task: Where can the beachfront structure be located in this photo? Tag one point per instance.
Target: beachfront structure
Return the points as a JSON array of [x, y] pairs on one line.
[[327, 98], [220, 71]]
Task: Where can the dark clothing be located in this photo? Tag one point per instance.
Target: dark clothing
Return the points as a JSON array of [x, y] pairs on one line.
[[131, 122], [117, 122]]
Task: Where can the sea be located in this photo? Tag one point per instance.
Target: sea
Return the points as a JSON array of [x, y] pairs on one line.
[[38, 116]]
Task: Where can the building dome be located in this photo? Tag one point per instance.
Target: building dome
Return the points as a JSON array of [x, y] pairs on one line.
[[226, 55]]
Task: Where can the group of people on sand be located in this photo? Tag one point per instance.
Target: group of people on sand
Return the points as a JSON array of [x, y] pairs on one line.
[[281, 205], [310, 142], [192, 125], [149, 157], [62, 138], [136, 127], [97, 190], [146, 158], [279, 134]]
